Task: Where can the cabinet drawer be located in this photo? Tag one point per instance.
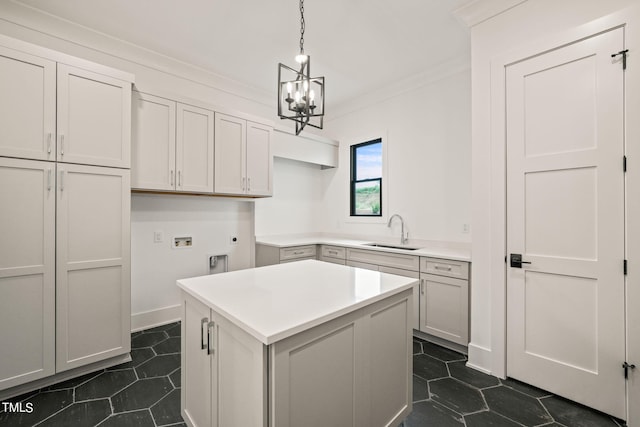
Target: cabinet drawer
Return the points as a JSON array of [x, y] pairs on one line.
[[333, 251], [387, 259], [444, 267], [297, 252]]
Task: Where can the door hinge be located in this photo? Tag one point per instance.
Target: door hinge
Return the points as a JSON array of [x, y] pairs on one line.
[[624, 163], [626, 368], [624, 267], [624, 57]]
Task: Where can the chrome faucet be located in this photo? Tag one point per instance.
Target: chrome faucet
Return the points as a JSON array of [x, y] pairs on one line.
[[403, 238]]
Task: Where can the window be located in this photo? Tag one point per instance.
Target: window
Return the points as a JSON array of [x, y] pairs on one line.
[[366, 179]]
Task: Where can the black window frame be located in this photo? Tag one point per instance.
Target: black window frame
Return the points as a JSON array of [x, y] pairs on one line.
[[354, 181]]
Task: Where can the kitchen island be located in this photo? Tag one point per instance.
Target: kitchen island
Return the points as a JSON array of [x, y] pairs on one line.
[[300, 344]]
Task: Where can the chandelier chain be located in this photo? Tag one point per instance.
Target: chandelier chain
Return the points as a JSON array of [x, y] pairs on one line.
[[302, 27]]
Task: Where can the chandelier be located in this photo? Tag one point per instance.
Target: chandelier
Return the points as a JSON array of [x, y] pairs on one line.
[[300, 96]]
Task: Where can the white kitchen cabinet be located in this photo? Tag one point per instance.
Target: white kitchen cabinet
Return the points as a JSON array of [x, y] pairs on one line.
[[444, 299], [27, 106], [153, 150], [243, 160], [269, 255], [224, 371], [172, 146], [27, 271], [334, 254], [93, 118], [93, 264]]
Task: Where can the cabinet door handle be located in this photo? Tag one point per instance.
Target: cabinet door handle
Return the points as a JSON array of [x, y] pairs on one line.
[[62, 144], [49, 136], [243, 182], [422, 286], [171, 177], [446, 268], [203, 325], [49, 180], [179, 178], [61, 180], [249, 184], [210, 326]]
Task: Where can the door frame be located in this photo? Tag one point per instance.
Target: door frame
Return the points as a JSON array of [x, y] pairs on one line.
[[628, 18]]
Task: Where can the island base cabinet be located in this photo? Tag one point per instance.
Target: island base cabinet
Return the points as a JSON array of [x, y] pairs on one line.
[[355, 370], [224, 371]]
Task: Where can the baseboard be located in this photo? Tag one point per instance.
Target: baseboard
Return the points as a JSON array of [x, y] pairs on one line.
[[440, 341], [479, 358], [152, 318], [63, 376]]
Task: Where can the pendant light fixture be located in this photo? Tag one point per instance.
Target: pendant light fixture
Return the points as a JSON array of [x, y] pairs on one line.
[[300, 96]]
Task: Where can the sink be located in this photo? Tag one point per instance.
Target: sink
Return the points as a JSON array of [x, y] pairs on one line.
[[388, 246]]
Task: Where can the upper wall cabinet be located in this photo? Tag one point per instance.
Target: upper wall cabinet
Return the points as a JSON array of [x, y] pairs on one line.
[[243, 160], [172, 146], [93, 112], [94, 118], [27, 110]]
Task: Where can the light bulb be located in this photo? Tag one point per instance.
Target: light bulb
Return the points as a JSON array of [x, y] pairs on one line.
[[301, 58], [289, 87], [297, 97], [312, 95], [305, 86]]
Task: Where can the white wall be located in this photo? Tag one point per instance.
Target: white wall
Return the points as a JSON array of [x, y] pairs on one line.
[[155, 267], [428, 130], [491, 39], [296, 205]]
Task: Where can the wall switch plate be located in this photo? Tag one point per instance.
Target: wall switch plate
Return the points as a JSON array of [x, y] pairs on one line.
[[158, 236], [233, 240], [465, 228]]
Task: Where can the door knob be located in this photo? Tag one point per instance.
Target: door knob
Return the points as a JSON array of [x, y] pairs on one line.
[[516, 261]]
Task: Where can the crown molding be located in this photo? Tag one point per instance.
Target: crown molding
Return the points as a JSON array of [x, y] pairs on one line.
[[481, 10]]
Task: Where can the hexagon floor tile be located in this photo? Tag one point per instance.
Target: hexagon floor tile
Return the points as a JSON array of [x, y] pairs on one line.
[[146, 393]]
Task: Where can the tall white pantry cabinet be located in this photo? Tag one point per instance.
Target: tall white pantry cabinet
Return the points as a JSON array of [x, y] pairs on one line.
[[65, 127]]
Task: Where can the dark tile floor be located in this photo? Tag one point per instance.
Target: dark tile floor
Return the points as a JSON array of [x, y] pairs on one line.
[[447, 393], [146, 392]]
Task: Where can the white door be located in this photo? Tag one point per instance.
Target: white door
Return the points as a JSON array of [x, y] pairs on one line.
[[230, 155], [259, 159], [194, 149], [565, 215], [94, 118], [153, 148], [27, 271], [27, 106], [93, 317]]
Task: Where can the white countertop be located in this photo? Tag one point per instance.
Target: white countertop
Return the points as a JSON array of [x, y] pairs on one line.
[[440, 250], [275, 302]]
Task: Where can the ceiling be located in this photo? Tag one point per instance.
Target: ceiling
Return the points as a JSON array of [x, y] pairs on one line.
[[359, 46]]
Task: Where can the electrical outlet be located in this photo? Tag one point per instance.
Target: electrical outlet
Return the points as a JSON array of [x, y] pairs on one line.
[[233, 240], [465, 228], [158, 236]]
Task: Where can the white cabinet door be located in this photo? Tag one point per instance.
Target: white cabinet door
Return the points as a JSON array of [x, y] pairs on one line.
[[93, 265], [259, 159], [230, 154], [27, 106], [194, 149], [444, 310], [198, 373], [94, 118], [154, 142], [27, 271]]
